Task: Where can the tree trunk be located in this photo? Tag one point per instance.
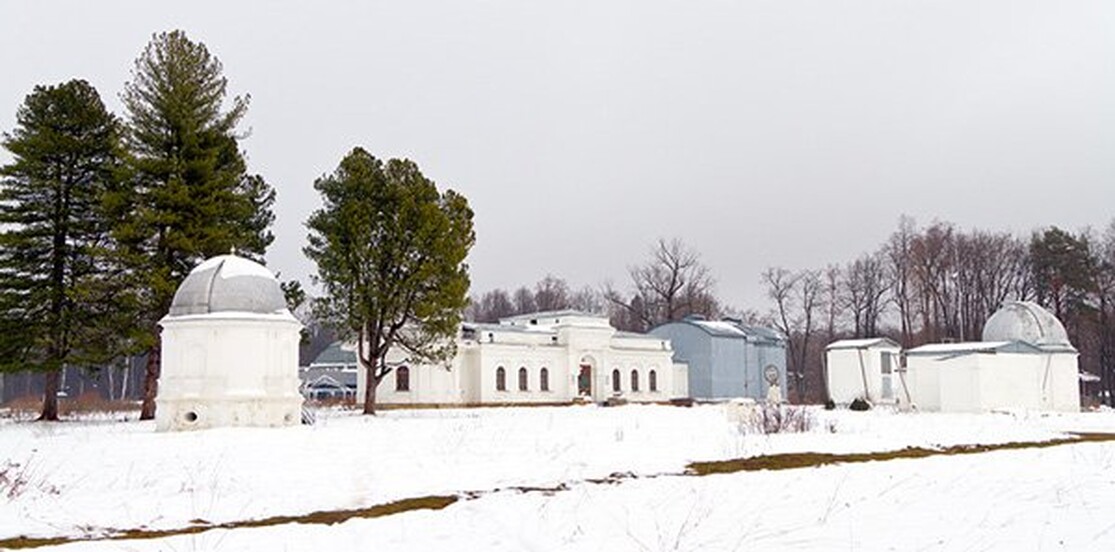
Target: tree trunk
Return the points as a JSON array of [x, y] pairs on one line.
[[151, 382], [50, 396], [109, 369], [371, 382], [126, 378]]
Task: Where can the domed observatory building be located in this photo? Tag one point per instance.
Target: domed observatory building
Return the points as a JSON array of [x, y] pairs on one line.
[[1024, 361], [229, 350]]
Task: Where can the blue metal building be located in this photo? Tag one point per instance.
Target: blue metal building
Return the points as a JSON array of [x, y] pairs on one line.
[[726, 358]]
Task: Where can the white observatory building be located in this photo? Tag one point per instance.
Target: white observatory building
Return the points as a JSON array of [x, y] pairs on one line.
[[229, 351], [1025, 361]]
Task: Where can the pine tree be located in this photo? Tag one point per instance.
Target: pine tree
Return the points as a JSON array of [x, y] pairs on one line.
[[58, 288], [390, 252], [192, 197]]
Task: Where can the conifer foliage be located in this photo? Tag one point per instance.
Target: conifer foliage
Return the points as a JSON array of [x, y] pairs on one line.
[[191, 196], [57, 280], [390, 252]]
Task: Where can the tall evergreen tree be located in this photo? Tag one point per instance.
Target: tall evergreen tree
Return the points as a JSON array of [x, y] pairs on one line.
[[192, 197], [1061, 264], [57, 283], [390, 251]]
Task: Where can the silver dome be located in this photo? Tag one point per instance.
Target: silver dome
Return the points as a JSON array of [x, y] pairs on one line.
[[1029, 322], [228, 283]]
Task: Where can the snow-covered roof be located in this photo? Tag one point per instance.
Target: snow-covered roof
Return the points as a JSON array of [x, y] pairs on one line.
[[636, 335], [863, 343], [489, 327], [228, 283], [550, 314], [974, 347], [730, 328], [720, 327]]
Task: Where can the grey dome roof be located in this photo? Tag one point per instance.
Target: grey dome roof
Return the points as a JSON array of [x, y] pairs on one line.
[[228, 283], [1028, 322]]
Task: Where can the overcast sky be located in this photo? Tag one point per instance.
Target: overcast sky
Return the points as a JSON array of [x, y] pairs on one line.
[[762, 133]]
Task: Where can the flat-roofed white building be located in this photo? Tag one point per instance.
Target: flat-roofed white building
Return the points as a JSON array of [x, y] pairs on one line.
[[540, 358]]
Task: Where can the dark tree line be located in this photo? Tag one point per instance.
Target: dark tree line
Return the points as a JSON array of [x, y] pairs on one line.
[[940, 283]]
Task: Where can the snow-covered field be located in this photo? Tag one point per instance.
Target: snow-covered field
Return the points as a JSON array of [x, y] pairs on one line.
[[87, 477]]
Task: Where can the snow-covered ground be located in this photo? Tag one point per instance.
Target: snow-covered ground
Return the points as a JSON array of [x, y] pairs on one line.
[[90, 476]]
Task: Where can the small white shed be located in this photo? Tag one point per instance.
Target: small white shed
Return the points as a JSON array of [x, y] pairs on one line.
[[864, 369]]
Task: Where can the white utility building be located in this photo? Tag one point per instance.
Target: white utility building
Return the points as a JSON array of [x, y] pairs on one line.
[[1025, 361], [541, 358], [865, 369], [229, 350]]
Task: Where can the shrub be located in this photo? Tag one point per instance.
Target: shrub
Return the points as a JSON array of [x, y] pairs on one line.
[[860, 405], [768, 418], [830, 405], [17, 478], [614, 401]]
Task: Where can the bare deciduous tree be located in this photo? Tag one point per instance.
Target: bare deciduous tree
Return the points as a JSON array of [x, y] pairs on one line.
[[798, 301], [491, 306], [865, 289], [551, 293], [524, 300], [672, 284], [899, 257]]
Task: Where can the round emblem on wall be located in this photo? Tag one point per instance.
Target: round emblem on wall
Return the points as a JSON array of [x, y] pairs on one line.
[[770, 373]]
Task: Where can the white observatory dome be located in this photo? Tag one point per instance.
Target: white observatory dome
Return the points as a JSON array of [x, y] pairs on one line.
[[1029, 322], [228, 283]]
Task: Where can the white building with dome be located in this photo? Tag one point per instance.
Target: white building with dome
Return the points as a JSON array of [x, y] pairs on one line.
[[229, 350], [1025, 361]]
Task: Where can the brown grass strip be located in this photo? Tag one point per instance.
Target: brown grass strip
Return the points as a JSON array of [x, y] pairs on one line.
[[313, 518], [796, 460]]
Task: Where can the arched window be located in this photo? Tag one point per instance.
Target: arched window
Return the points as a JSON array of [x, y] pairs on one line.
[[615, 381], [522, 379], [653, 377], [402, 379], [501, 379], [635, 381], [544, 379]]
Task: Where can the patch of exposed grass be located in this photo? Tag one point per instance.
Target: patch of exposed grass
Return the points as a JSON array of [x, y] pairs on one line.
[[32, 542], [315, 518], [795, 460]]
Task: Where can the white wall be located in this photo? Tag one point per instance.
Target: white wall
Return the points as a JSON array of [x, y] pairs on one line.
[[845, 374], [228, 369], [1065, 382], [923, 378], [959, 383], [981, 382], [472, 377]]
